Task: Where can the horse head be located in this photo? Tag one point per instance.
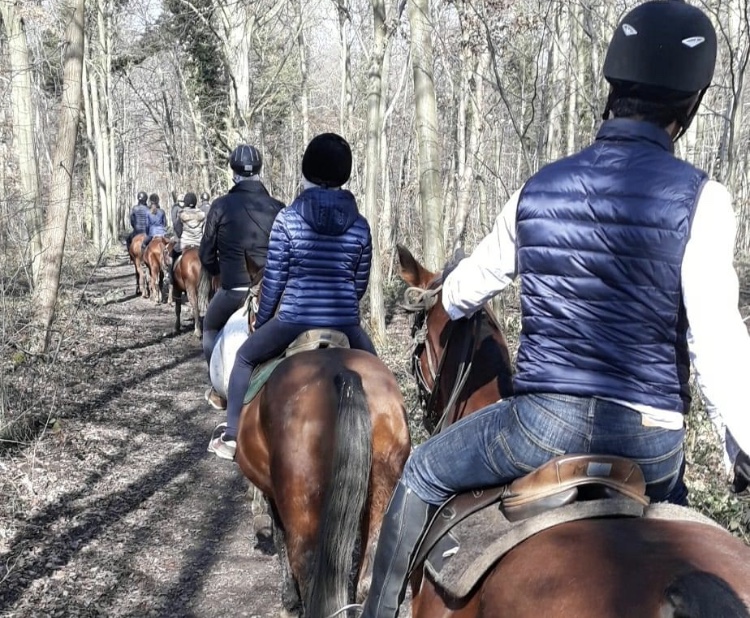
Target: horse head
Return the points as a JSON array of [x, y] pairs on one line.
[[459, 365]]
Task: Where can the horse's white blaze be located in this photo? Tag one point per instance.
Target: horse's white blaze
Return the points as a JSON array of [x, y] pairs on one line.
[[231, 337]]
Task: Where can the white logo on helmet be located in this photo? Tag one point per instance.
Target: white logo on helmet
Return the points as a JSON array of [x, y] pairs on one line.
[[629, 30], [693, 41]]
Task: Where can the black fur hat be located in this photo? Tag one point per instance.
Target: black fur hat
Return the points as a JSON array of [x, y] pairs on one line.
[[327, 160]]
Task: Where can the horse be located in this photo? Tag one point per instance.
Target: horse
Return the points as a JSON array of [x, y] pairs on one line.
[[152, 258], [325, 440], [186, 276], [134, 251], [603, 568]]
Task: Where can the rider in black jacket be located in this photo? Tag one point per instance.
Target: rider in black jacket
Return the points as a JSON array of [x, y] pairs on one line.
[[238, 224]]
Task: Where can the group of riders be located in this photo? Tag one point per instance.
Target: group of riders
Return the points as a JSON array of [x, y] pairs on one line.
[[624, 253]]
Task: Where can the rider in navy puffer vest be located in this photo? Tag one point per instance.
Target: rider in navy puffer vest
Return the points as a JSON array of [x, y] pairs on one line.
[[318, 261], [594, 231]]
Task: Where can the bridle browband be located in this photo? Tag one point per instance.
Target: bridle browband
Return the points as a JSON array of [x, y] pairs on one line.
[[420, 301]]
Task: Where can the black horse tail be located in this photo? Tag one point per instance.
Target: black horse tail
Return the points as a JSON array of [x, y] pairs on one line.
[[334, 565], [204, 291], [702, 595]]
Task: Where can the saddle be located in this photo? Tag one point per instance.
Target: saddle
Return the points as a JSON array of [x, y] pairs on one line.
[[315, 339], [471, 531]]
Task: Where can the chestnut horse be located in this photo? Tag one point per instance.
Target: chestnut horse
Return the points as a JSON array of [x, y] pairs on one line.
[[153, 259], [134, 251], [604, 568], [325, 440], [186, 278]]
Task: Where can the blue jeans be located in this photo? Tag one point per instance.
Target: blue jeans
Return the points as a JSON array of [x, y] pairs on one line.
[[268, 342], [512, 437]]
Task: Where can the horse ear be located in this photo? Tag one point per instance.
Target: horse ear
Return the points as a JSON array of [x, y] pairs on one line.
[[412, 272]]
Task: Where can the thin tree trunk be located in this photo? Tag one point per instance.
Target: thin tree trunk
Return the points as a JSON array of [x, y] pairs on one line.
[[88, 116], [375, 114], [428, 135], [346, 109], [23, 127], [58, 208]]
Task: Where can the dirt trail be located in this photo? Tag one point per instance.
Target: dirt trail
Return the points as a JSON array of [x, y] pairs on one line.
[[129, 515]]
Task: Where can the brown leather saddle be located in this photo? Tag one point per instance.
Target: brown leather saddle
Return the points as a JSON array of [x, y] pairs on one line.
[[615, 484], [315, 339]]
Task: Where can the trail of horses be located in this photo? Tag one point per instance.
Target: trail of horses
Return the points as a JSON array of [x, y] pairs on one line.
[[124, 511]]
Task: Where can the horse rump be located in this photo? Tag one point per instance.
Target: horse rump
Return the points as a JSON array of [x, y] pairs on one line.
[[345, 499], [702, 595]]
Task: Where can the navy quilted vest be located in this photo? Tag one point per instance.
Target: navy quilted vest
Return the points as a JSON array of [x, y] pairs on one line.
[[601, 237]]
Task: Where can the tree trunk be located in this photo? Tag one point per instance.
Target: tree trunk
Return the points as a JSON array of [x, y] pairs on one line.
[[347, 101], [428, 135], [53, 236], [23, 127], [373, 186], [304, 88]]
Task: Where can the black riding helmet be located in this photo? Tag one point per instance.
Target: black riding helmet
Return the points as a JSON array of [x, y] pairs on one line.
[[205, 197], [154, 198], [190, 200], [142, 197], [327, 161], [245, 160], [662, 51]]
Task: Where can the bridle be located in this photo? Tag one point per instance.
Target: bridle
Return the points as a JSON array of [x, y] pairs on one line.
[[420, 302]]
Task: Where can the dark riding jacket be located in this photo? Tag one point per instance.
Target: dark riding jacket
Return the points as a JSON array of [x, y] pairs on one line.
[[139, 219], [600, 241], [157, 223], [318, 262], [237, 224]]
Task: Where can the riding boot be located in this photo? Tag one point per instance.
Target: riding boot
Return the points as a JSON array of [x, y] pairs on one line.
[[403, 527]]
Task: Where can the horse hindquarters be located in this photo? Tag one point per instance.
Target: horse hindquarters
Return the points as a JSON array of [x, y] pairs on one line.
[[346, 496]]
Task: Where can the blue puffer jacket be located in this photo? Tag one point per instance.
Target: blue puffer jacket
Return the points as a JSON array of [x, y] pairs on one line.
[[318, 262], [157, 223], [600, 241], [139, 219]]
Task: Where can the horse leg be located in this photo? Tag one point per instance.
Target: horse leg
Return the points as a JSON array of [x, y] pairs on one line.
[[290, 596], [177, 311], [155, 283], [137, 278], [192, 294]]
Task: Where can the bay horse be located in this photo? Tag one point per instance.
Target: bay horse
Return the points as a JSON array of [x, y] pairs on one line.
[[153, 260], [598, 568], [186, 276], [134, 251], [325, 440]]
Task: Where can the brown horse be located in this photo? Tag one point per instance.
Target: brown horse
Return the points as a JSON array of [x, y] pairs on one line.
[[186, 276], [153, 259], [605, 568], [325, 440], [134, 251]]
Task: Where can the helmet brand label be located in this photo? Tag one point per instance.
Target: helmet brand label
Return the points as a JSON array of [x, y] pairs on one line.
[[629, 30], [693, 41]]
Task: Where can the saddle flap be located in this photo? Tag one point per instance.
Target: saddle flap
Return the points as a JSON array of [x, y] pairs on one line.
[[568, 471], [318, 338]]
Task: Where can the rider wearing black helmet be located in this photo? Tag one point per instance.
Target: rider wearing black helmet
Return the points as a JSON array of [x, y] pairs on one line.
[[624, 253], [205, 204], [138, 218], [238, 224]]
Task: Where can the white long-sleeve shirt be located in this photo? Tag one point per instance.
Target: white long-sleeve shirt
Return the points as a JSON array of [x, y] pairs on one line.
[[717, 338]]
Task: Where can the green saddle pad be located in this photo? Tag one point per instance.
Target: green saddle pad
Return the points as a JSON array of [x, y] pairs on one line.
[[260, 377]]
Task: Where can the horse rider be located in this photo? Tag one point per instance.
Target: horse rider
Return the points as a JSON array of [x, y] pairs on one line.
[[317, 271], [157, 223], [238, 224], [205, 204], [192, 221], [138, 218], [624, 252], [174, 217]]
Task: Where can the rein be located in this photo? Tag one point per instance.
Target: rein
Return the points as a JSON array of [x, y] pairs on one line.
[[420, 302]]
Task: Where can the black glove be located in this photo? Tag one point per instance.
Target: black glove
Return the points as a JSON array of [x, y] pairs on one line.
[[741, 479]]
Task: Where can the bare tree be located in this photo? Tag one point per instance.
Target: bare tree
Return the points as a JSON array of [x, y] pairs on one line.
[[24, 126], [58, 207]]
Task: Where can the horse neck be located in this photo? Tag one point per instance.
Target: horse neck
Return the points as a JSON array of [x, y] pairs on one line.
[[489, 377]]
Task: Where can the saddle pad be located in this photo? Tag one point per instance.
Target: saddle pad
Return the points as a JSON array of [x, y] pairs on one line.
[[463, 556], [260, 377]]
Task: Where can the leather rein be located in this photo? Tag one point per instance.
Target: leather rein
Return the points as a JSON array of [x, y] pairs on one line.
[[420, 302]]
